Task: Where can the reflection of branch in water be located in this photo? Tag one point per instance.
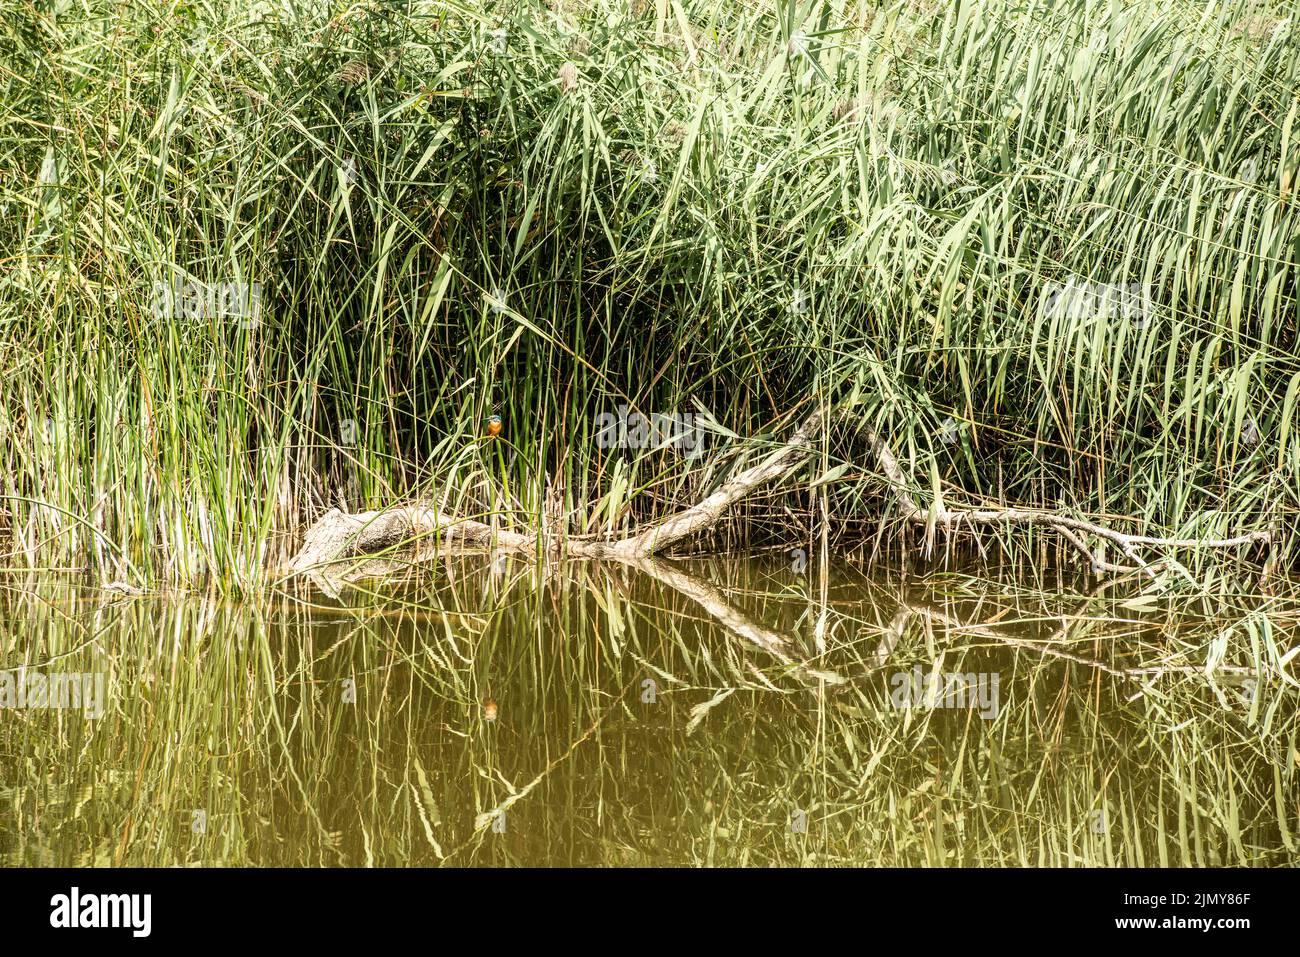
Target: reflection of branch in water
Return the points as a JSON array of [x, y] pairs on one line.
[[891, 635], [712, 600], [501, 574], [707, 596], [985, 630]]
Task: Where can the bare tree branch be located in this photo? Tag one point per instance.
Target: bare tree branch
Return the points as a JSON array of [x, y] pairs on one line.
[[418, 528]]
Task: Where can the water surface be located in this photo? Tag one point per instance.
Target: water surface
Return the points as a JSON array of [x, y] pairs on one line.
[[727, 712]]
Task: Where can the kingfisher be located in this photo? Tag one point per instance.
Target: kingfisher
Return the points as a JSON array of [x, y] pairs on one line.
[[494, 426]]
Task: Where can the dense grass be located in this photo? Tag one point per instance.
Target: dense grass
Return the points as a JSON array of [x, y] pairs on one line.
[[715, 207]]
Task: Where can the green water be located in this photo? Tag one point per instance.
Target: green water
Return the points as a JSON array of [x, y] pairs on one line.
[[685, 713]]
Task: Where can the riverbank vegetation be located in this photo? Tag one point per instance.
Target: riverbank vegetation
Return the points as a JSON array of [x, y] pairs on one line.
[[1047, 249]]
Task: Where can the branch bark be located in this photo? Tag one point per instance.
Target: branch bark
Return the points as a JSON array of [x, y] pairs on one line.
[[420, 528]]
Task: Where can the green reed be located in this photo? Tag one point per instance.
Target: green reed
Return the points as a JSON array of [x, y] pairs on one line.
[[734, 211]]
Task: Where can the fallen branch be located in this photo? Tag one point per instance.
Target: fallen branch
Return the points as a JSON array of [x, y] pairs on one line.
[[338, 536], [417, 529], [954, 517]]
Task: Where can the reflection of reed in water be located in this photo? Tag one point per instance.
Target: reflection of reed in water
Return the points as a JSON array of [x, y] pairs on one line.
[[712, 600]]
